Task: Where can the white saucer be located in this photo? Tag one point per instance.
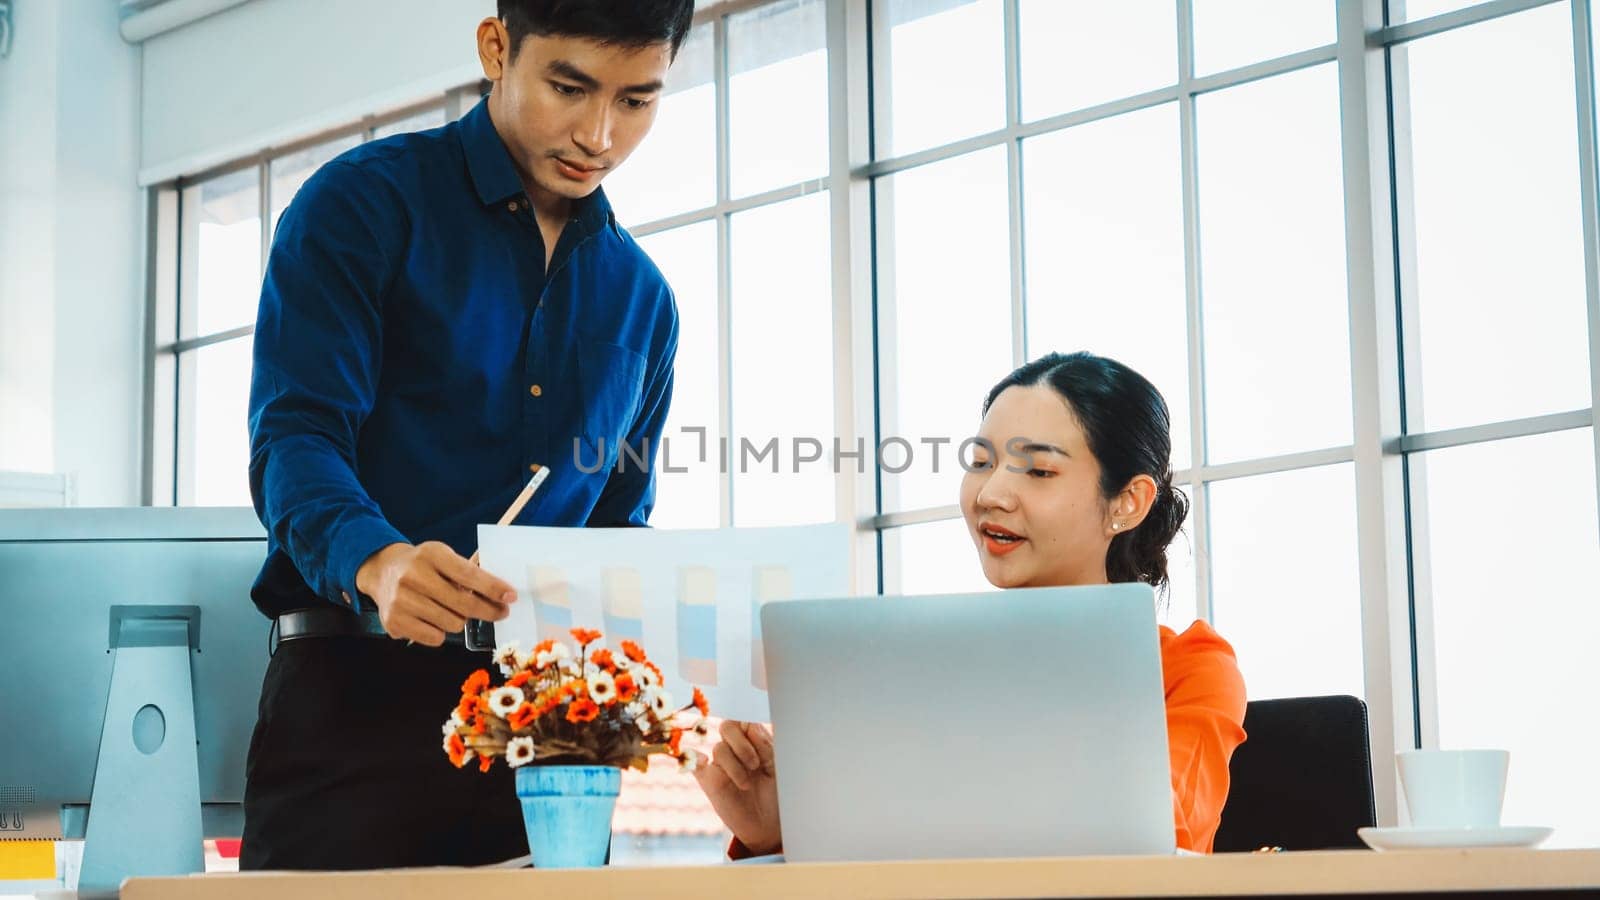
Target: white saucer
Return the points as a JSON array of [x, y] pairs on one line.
[[1437, 838]]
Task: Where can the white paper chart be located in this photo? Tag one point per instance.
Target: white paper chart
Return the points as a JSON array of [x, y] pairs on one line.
[[691, 598]]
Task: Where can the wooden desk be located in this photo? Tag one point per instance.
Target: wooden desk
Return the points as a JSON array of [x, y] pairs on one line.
[[1346, 872]]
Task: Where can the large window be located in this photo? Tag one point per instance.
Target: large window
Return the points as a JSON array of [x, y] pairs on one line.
[[1272, 290], [1192, 229], [1169, 184], [222, 224], [943, 294], [1502, 331], [1498, 351], [1368, 294], [736, 217], [1103, 241]]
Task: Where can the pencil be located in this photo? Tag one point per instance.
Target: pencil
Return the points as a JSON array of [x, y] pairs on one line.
[[515, 509]]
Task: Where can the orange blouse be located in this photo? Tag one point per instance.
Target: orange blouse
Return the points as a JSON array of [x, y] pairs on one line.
[[1205, 722], [1205, 716]]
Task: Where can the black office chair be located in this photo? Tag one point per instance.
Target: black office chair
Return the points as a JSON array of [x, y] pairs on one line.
[[1302, 780]]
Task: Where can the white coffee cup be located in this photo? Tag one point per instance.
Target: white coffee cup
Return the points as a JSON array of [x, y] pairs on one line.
[[1454, 788]]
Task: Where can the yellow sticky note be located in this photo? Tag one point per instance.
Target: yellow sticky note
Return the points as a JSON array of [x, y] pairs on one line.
[[27, 860]]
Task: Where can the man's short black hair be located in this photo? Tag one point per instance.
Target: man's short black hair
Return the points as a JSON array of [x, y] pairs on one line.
[[626, 23]]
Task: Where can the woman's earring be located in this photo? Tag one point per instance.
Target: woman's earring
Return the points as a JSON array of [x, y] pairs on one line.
[[1115, 525]]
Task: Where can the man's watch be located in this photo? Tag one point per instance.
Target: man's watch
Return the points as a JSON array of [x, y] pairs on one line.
[[480, 635]]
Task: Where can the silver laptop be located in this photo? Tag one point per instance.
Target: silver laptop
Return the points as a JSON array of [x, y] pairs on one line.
[[1019, 723]]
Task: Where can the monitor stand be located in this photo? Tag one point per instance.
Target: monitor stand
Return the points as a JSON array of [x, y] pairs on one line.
[[144, 811]]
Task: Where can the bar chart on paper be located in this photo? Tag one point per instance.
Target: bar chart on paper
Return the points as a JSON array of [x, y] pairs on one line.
[[771, 584], [697, 625], [623, 593], [691, 598], [552, 599]]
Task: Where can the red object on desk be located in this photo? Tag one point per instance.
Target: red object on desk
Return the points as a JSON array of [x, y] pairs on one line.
[[228, 848]]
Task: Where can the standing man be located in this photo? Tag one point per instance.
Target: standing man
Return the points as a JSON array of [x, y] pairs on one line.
[[442, 312]]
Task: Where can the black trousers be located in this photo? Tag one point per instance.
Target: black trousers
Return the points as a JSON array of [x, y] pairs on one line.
[[347, 768]]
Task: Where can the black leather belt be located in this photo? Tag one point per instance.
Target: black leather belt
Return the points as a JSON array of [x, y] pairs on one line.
[[333, 622]]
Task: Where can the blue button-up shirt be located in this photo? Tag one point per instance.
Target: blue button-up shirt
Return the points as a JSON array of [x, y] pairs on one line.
[[414, 358]]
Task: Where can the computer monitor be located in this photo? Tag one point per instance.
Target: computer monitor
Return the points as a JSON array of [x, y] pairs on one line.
[[131, 662]]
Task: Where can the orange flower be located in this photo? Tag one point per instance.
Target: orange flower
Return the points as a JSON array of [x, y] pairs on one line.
[[475, 682], [604, 660], [582, 710], [627, 688], [633, 651], [576, 688], [457, 750], [468, 707], [585, 636], [543, 646], [480, 726], [660, 679], [673, 741], [523, 716], [484, 762], [520, 679], [700, 704]]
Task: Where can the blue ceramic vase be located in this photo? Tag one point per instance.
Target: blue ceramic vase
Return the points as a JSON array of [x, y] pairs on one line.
[[567, 811]]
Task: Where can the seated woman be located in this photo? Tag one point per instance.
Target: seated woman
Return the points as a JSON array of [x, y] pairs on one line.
[[1092, 503]]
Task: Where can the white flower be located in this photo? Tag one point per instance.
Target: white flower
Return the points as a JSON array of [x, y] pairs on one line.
[[509, 657], [689, 761], [602, 687], [546, 658], [624, 664], [646, 677], [660, 703], [452, 724], [519, 751], [503, 701], [640, 714]]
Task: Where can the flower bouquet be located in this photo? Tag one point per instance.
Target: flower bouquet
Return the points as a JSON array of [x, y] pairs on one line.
[[568, 721]]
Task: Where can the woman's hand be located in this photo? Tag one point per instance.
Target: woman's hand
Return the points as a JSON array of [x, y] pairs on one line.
[[742, 785]]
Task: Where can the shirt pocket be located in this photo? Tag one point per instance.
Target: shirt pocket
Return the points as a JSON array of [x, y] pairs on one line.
[[610, 378]]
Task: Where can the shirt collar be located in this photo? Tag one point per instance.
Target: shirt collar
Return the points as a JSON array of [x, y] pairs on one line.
[[488, 161], [495, 176]]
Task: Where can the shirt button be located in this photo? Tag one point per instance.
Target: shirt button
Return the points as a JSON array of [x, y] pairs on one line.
[[512, 206], [536, 391]]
